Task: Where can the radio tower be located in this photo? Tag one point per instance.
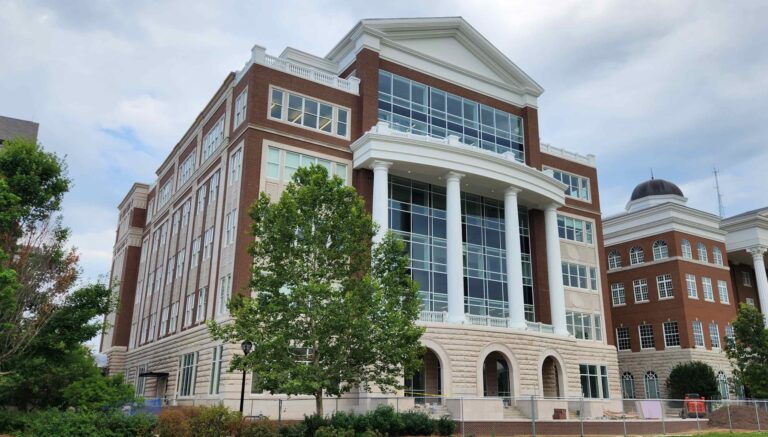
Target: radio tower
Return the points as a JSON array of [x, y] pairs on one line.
[[720, 207]]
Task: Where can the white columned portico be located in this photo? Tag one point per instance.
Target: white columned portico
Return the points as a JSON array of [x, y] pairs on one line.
[[758, 259], [454, 247], [514, 260], [380, 207], [554, 271]]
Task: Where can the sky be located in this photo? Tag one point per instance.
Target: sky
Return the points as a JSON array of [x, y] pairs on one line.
[[676, 88]]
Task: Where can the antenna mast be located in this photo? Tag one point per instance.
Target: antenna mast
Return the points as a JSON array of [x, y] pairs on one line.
[[720, 207]]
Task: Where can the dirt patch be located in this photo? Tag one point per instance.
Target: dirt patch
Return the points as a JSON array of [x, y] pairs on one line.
[[742, 417]]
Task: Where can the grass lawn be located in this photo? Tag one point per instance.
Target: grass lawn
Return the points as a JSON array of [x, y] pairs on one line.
[[727, 434]]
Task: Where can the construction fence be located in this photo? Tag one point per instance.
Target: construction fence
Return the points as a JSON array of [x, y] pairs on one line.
[[531, 415]]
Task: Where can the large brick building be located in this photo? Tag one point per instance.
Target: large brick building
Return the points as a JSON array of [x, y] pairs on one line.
[[438, 132]]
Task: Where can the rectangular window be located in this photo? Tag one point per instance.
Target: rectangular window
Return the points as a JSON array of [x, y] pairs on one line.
[[185, 210], [200, 200], [617, 294], [664, 285], [187, 169], [589, 381], [230, 223], [241, 104], [202, 301], [604, 381], [217, 361], [579, 276], [188, 310], [213, 139], [698, 334], [574, 229], [165, 194], [187, 374], [208, 243], [195, 252], [706, 286], [225, 293], [671, 334], [140, 380], [163, 321], [180, 262], [292, 161], [623, 342], [714, 335], [746, 279], [235, 166], [583, 325], [690, 284], [309, 113], [640, 287], [722, 291], [577, 186], [171, 265], [214, 188], [749, 301], [174, 317], [598, 322], [646, 336], [729, 334], [152, 326]]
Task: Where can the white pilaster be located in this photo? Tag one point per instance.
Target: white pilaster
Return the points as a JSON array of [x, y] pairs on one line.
[[380, 207], [554, 271], [454, 248], [758, 253], [514, 260]]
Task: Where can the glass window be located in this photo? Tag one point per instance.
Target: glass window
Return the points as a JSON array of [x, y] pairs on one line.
[[617, 294], [636, 255], [614, 260], [627, 386], [187, 374], [706, 285], [690, 284], [577, 186], [714, 335], [217, 359], [698, 334], [701, 250], [640, 287], [646, 337], [579, 276], [651, 385], [660, 250], [746, 279], [717, 256], [671, 334], [664, 285], [722, 291], [582, 325], [685, 248], [729, 334], [273, 163], [309, 113], [202, 300], [573, 229], [623, 342], [240, 107], [213, 139], [276, 104], [589, 381]]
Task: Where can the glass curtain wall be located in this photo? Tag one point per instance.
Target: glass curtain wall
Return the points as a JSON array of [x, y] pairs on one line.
[[417, 215], [410, 106]]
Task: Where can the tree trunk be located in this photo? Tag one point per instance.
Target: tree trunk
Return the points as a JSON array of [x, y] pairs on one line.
[[319, 403]]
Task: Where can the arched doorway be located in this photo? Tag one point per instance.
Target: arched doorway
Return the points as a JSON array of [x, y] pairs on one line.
[[426, 384], [497, 376], [551, 378]]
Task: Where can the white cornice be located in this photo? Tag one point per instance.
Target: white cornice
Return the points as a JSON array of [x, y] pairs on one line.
[[659, 219]]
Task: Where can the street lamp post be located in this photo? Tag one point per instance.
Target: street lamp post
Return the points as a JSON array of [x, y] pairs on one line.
[[247, 345]]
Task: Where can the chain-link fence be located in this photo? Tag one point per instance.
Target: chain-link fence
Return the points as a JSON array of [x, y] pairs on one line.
[[531, 415]]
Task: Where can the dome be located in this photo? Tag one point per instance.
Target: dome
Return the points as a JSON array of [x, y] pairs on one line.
[[655, 187]]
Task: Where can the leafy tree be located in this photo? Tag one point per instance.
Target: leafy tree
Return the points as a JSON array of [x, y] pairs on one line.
[[327, 313], [749, 351], [36, 268], [692, 377]]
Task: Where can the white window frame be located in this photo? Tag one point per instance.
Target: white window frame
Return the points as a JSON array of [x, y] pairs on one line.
[[722, 291], [195, 257], [618, 294], [187, 374], [241, 107], [335, 168], [574, 278], [164, 194], [189, 310], [620, 338], [614, 260], [213, 188], [660, 250], [652, 337], [691, 287], [225, 294], [636, 255], [701, 252], [714, 340], [664, 287], [186, 209], [213, 139], [174, 318], [187, 168], [707, 290], [580, 230], [640, 285], [164, 321], [335, 118], [217, 361], [202, 304], [698, 334], [584, 189], [208, 244], [235, 165], [746, 278], [685, 249], [671, 335], [717, 256]]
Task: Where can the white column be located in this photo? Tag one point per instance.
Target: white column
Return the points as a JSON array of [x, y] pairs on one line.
[[380, 207], [454, 248], [514, 260], [554, 270], [757, 253]]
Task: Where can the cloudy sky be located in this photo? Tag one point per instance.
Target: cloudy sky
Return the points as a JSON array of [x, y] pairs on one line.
[[677, 87]]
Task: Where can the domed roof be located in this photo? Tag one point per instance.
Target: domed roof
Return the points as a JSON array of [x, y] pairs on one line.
[[655, 187]]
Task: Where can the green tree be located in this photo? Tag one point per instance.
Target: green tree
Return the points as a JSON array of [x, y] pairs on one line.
[[36, 269], [692, 377], [327, 313], [749, 351]]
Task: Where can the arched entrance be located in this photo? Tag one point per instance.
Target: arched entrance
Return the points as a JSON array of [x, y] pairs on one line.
[[497, 376], [426, 384], [551, 378]]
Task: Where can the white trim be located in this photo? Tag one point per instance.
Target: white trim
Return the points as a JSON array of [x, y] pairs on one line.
[[285, 108], [549, 149]]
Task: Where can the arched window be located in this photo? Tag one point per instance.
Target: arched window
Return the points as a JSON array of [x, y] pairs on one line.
[[717, 256], [701, 249], [628, 385], [685, 249], [722, 385], [636, 255], [614, 260], [651, 385], [660, 250]]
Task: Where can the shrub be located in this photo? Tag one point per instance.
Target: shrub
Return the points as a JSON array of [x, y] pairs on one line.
[[98, 392], [385, 420], [313, 423], [415, 423], [445, 426], [692, 377], [295, 430], [329, 431], [215, 421], [11, 421], [176, 421], [87, 424], [257, 428]]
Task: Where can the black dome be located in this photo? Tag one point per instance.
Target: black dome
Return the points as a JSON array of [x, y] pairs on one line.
[[655, 187]]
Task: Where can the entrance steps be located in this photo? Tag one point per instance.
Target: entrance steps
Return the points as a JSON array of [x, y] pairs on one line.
[[513, 413]]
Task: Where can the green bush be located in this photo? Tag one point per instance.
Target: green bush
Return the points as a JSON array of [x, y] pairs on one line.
[[11, 421], [258, 428], [56, 423], [215, 421], [313, 423], [329, 431], [445, 426], [98, 392], [176, 421], [295, 430], [692, 377], [414, 423], [385, 420]]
